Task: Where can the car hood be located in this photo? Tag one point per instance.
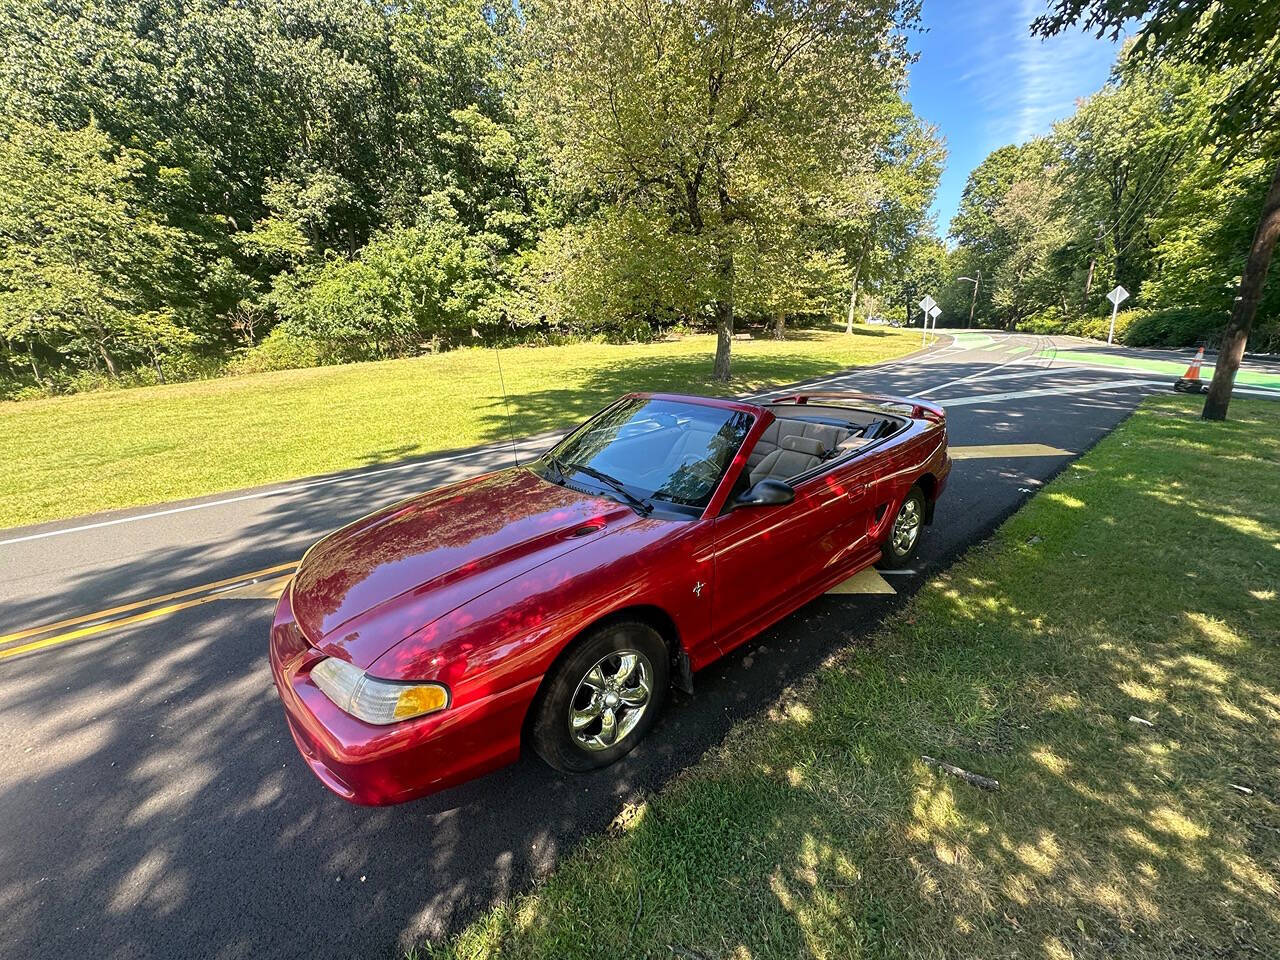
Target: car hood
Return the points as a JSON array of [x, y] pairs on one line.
[[366, 587]]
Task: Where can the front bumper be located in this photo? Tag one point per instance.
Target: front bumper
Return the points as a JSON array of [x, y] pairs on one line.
[[369, 764]]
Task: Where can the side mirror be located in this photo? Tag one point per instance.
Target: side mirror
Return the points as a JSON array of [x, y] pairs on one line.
[[766, 493]]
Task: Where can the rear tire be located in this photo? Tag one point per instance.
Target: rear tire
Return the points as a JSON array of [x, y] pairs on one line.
[[902, 542], [599, 701]]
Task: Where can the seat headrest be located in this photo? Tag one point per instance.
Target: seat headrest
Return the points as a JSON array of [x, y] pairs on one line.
[[804, 445]]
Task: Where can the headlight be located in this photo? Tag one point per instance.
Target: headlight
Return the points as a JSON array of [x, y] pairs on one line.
[[373, 700]]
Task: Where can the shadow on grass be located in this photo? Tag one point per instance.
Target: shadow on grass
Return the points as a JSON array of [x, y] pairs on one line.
[[553, 405], [1141, 583]]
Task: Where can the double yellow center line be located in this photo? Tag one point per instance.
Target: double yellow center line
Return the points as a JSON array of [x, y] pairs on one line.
[[75, 628]]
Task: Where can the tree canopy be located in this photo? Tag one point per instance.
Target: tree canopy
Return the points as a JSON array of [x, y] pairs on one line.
[[183, 180], [1128, 191], [1241, 39]]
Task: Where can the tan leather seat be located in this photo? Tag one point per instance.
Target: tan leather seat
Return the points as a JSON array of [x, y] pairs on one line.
[[792, 458], [771, 440]]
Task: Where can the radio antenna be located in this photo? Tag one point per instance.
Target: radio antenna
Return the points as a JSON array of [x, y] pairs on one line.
[[506, 405]]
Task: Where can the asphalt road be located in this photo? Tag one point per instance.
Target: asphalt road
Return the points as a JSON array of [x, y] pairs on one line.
[[151, 800]]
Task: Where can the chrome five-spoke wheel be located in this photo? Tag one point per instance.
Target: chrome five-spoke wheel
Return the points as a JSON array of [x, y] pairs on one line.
[[602, 697], [611, 699], [903, 538], [906, 527]]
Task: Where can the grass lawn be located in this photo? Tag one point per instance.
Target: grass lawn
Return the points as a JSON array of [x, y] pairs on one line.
[[1142, 582], [75, 455]]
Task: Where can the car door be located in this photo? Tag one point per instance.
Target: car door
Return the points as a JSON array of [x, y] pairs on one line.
[[768, 560]]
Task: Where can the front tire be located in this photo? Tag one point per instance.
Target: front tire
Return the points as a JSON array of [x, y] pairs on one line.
[[903, 541], [601, 700]]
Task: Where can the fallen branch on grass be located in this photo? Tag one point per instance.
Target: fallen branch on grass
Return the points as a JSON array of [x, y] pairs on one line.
[[973, 779]]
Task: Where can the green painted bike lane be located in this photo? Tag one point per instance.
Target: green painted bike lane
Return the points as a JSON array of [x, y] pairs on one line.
[[1249, 377]]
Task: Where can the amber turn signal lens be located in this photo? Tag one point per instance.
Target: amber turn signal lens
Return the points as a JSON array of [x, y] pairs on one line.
[[373, 700], [415, 701]]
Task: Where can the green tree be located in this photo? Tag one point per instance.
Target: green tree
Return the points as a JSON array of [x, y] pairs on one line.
[[275, 133], [1213, 35], [703, 113], [983, 244], [890, 206], [1029, 219], [921, 270], [1121, 158], [85, 266]]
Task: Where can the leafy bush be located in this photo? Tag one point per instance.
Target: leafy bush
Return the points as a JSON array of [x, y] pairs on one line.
[[1096, 327], [1172, 327], [281, 349], [631, 330], [410, 289], [609, 276], [1049, 320], [178, 367], [1055, 320]]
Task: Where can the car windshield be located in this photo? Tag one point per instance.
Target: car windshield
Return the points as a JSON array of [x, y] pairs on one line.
[[658, 450]]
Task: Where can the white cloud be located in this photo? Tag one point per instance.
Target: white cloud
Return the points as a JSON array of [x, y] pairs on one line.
[[1040, 80]]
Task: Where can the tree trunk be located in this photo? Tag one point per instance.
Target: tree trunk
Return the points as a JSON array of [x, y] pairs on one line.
[[853, 294], [779, 326], [155, 360], [106, 358], [724, 317], [1246, 306], [35, 370]]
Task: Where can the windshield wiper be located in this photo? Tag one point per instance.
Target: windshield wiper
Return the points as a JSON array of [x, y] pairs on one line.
[[642, 507]]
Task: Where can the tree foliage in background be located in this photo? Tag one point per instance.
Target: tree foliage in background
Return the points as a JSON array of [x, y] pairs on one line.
[[1128, 192], [319, 180], [87, 270], [1243, 39], [256, 148]]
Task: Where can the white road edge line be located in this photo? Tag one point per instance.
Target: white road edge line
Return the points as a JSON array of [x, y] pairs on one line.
[[275, 491]]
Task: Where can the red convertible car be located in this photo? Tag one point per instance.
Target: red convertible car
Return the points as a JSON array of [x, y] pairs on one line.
[[555, 603]]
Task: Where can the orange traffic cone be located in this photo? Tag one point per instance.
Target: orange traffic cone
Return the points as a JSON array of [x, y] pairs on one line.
[[1189, 382]]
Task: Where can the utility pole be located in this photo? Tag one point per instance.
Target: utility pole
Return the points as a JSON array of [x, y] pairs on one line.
[[1093, 262], [974, 302]]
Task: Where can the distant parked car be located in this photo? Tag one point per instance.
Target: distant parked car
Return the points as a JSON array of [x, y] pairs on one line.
[[554, 604]]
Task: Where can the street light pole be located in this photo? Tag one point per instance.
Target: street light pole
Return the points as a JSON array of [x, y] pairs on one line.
[[974, 302]]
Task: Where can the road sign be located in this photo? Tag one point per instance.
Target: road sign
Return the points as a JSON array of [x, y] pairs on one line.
[[934, 311], [1117, 296], [928, 303]]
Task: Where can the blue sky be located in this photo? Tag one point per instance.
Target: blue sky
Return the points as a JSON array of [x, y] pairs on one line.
[[984, 81]]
